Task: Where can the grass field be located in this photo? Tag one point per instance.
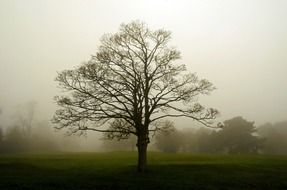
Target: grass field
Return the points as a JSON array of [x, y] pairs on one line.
[[116, 170]]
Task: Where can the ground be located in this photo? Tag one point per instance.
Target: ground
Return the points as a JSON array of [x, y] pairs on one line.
[[116, 170]]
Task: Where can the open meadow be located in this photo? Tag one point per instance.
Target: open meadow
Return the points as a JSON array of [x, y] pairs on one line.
[[117, 170]]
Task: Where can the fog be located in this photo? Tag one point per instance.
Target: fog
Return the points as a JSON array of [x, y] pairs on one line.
[[238, 45]]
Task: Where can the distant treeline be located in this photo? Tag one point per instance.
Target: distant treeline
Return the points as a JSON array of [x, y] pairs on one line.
[[19, 139], [237, 136], [40, 138], [24, 133]]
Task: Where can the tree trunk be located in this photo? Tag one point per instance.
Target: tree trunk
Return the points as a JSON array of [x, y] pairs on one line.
[[142, 155]]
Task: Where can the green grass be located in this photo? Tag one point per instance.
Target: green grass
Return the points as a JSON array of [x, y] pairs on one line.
[[117, 171]]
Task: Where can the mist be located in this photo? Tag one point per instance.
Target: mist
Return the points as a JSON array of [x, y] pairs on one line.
[[240, 46]]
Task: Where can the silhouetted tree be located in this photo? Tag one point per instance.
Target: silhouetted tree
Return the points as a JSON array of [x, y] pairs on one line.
[[128, 86]]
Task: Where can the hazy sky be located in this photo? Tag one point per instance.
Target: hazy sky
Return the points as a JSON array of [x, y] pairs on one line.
[[239, 45]]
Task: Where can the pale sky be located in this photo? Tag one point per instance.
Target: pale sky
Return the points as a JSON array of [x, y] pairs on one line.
[[239, 45]]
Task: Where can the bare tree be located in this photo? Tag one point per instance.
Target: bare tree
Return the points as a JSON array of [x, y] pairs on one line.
[[129, 86]]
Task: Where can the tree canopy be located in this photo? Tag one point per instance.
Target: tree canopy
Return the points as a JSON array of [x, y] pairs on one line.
[[130, 86], [237, 136]]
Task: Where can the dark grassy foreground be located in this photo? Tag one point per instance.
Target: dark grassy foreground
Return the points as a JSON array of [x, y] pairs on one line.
[[117, 171]]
